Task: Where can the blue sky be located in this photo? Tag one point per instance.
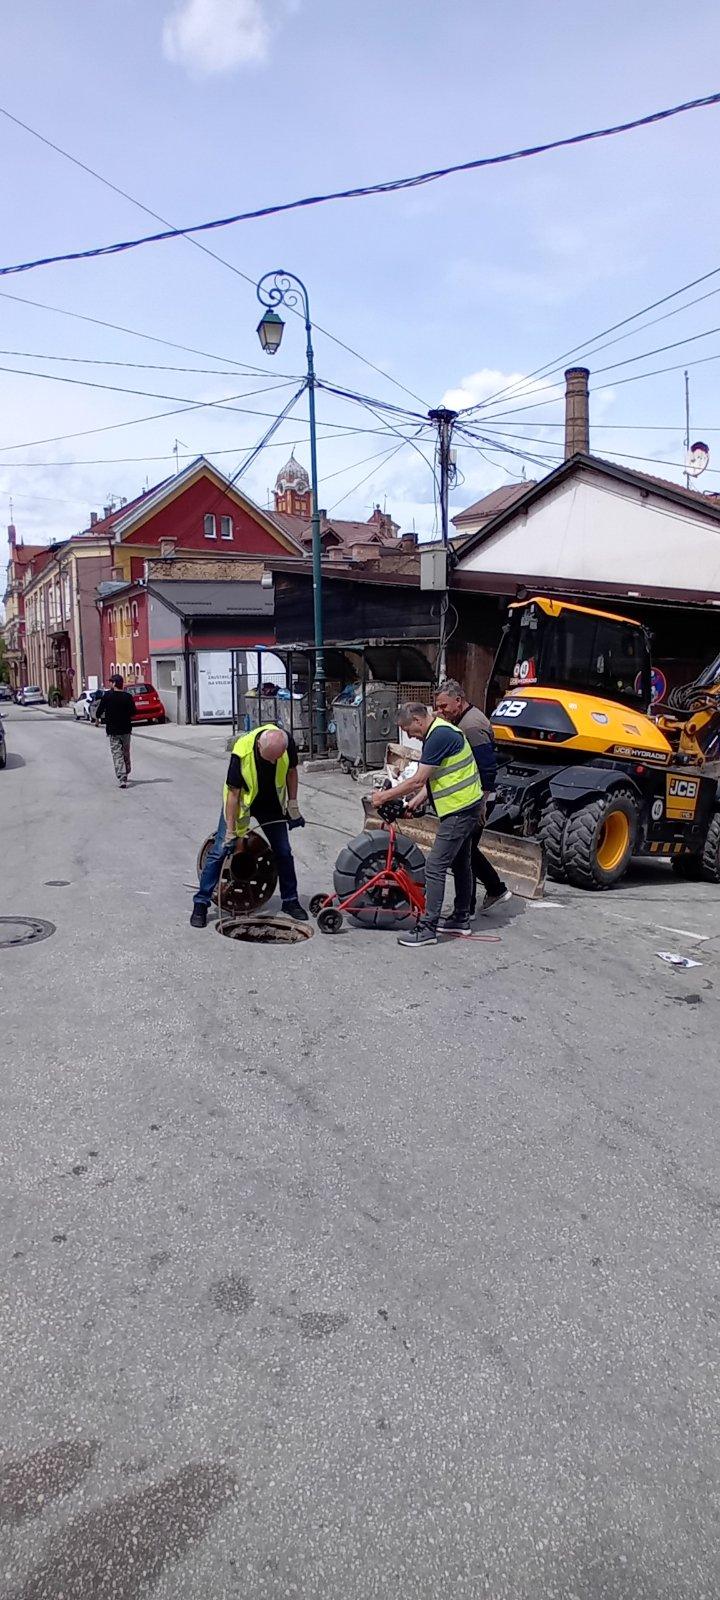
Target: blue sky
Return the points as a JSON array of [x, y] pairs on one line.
[[202, 107]]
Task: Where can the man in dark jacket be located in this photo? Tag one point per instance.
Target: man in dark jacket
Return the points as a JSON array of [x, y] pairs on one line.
[[116, 710], [452, 703]]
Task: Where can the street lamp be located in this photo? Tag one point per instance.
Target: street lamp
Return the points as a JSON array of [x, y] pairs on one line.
[[276, 289]]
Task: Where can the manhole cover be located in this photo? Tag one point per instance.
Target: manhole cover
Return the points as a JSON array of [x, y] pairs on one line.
[[265, 930], [24, 930]]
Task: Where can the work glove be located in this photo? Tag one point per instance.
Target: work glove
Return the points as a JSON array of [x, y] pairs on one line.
[[295, 819]]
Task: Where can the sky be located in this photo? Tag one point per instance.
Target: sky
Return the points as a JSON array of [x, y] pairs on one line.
[[456, 290]]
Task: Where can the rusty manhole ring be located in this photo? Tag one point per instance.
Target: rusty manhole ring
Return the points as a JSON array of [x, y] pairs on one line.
[[265, 930], [23, 930]]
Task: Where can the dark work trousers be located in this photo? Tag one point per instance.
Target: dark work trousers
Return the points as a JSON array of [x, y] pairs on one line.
[[483, 870], [276, 834], [451, 852]]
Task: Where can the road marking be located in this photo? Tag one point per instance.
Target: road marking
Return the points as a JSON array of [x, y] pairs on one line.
[[660, 927], [545, 905]]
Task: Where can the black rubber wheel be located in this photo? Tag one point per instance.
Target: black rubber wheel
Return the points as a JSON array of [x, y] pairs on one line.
[[359, 861], [3, 759], [551, 834], [688, 867], [330, 921], [599, 840], [317, 903], [711, 850]]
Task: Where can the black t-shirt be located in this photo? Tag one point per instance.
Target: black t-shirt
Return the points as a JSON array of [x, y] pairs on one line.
[[116, 709], [267, 806]]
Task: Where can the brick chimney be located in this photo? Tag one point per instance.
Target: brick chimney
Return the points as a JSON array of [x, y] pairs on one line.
[[577, 412]]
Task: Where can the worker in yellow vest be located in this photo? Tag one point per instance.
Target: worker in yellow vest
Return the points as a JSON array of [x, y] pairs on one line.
[[262, 782], [448, 777]]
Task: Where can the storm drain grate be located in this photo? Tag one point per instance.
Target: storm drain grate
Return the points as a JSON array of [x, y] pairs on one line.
[[265, 930], [23, 930]]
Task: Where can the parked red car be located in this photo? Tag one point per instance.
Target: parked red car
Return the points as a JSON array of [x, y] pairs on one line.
[[148, 705]]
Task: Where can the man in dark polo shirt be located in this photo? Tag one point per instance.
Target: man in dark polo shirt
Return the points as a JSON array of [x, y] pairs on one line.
[[452, 703]]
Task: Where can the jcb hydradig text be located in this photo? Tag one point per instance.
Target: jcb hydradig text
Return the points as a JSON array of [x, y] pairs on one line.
[[582, 767]]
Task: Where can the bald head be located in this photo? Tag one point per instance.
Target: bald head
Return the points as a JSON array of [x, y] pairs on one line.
[[272, 744]]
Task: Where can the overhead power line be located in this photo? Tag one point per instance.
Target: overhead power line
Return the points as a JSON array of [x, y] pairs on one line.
[[124, 193], [589, 346], [390, 186]]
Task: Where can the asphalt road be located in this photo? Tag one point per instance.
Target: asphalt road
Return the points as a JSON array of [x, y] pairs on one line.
[[342, 1271]]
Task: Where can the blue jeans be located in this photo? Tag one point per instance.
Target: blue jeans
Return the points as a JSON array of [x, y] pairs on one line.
[[278, 839]]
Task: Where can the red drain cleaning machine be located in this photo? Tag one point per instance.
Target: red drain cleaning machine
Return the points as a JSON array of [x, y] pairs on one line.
[[379, 881]]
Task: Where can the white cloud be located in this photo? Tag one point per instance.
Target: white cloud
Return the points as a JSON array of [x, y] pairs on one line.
[[211, 36], [515, 388]]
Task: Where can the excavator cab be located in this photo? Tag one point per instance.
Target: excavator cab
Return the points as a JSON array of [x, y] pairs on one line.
[[550, 644], [583, 767]]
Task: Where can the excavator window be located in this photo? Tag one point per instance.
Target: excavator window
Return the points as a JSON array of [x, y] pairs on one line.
[[581, 650]]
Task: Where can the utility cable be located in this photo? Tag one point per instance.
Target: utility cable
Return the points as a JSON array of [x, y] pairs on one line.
[[514, 391], [125, 195], [391, 186]]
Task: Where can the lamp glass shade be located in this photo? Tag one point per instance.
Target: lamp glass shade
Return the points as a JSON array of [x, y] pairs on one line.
[[270, 332]]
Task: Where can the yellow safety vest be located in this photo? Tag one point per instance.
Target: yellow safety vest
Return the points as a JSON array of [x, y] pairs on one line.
[[456, 781], [244, 749]]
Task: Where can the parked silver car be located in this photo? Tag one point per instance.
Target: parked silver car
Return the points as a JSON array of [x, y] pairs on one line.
[[31, 695]]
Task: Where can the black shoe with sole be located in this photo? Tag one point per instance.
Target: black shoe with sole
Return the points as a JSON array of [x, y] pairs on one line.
[[199, 917], [296, 911], [496, 899]]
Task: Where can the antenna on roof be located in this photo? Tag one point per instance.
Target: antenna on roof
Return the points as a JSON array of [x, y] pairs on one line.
[[11, 509], [176, 452], [687, 427]]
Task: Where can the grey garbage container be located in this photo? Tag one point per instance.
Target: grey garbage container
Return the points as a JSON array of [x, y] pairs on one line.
[[377, 719]]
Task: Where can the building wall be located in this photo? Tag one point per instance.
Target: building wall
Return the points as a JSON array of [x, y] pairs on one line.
[[124, 629], [602, 531], [183, 520]]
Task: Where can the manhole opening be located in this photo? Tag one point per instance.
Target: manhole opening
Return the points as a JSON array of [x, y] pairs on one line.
[[23, 930], [265, 930]]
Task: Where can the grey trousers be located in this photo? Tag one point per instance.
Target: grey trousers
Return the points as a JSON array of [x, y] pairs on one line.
[[120, 752], [452, 851]]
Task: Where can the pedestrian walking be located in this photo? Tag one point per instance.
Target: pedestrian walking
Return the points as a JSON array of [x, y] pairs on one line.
[[447, 774], [115, 712], [262, 782], [453, 704]]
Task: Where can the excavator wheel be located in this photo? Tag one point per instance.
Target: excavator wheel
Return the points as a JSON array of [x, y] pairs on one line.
[[359, 861], [599, 840], [551, 834], [711, 851]]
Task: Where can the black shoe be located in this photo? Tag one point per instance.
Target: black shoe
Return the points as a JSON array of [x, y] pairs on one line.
[[460, 926], [199, 917], [296, 911], [496, 899], [417, 937]]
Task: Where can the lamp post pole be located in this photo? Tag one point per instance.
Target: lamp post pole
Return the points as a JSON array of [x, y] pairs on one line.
[[273, 290], [444, 421]]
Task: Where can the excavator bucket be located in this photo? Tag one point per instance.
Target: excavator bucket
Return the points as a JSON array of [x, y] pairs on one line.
[[519, 862]]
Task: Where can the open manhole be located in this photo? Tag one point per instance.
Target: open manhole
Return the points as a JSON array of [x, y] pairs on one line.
[[23, 930], [265, 930]]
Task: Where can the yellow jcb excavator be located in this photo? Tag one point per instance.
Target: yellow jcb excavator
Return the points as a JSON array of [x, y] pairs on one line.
[[582, 765]]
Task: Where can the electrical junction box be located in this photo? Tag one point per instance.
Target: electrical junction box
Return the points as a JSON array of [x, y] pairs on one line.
[[433, 570], [176, 678]]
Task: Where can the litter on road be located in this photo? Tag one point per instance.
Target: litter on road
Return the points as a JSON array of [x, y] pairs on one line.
[[675, 960]]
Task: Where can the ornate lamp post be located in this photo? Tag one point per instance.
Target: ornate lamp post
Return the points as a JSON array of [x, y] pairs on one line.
[[276, 289]]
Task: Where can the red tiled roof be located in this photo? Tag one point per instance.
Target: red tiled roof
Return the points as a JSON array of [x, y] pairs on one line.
[[348, 533]]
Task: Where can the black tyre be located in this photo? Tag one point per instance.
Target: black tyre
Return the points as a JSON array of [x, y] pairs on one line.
[[359, 861], [711, 850], [316, 904], [551, 834], [599, 840]]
